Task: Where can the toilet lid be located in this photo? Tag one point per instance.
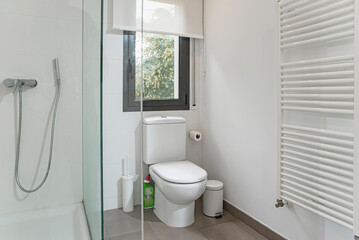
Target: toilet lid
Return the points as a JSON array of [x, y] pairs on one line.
[[179, 172]]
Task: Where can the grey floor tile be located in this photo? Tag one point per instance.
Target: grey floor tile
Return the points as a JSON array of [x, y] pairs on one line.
[[226, 231], [128, 236], [148, 234], [119, 223], [165, 232], [250, 230], [202, 220], [150, 216], [127, 226]]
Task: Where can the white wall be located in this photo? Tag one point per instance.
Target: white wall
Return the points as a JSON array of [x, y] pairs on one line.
[[33, 32], [120, 127], [238, 116]]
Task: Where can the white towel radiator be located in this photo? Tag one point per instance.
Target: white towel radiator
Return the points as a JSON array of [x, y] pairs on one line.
[[318, 123]]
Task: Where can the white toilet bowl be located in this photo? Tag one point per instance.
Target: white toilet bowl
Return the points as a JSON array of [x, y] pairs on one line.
[[177, 185]]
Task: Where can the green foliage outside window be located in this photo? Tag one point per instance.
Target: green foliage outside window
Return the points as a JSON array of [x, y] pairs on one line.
[[158, 66]]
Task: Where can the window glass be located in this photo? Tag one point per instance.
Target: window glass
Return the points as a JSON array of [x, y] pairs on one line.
[[160, 66]]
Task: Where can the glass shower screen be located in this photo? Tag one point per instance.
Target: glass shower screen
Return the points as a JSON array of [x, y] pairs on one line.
[[122, 123]]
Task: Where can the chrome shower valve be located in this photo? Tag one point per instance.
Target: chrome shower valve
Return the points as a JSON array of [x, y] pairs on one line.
[[15, 83]]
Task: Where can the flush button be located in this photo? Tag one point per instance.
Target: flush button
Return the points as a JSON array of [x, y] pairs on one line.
[[163, 116]]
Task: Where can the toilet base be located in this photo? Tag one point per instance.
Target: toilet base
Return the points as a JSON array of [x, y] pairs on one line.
[[173, 214]]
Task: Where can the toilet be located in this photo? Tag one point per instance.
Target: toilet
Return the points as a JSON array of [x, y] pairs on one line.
[[178, 182]]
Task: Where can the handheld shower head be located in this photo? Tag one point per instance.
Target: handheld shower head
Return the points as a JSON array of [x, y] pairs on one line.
[[57, 71]]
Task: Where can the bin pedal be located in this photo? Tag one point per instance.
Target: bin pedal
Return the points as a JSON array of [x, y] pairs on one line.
[[219, 215]]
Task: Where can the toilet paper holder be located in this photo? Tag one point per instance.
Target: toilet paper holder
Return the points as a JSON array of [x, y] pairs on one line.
[[195, 135]]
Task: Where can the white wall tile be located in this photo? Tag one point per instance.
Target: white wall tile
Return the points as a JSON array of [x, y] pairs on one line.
[[112, 72], [116, 146], [29, 35], [110, 203], [113, 173], [44, 8], [113, 44]]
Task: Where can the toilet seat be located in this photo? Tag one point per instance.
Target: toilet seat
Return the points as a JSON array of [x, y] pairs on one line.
[[180, 172]]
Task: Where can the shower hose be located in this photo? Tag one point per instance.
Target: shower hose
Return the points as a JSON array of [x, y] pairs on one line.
[[17, 160]]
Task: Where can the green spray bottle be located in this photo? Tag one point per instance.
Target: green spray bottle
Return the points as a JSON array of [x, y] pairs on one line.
[[148, 193]]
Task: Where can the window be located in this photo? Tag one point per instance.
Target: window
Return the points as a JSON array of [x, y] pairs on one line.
[[166, 71]]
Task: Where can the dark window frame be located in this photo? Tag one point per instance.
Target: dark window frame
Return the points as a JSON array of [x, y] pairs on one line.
[[130, 104]]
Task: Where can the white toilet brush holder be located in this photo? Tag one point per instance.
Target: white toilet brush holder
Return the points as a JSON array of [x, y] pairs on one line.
[[127, 193], [127, 188]]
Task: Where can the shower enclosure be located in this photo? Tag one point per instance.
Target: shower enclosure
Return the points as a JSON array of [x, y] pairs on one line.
[[51, 143]]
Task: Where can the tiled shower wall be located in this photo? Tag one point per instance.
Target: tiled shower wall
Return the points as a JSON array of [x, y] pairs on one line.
[[33, 32]]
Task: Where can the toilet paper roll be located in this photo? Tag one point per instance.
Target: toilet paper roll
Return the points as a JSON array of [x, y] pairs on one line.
[[196, 136], [127, 193]]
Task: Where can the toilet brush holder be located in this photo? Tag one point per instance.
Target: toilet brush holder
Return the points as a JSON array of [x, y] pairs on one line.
[[127, 193]]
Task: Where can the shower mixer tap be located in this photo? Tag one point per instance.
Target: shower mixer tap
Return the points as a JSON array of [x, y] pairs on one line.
[[15, 83]]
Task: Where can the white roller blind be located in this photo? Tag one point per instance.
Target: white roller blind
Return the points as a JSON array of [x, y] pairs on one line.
[[175, 17]]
